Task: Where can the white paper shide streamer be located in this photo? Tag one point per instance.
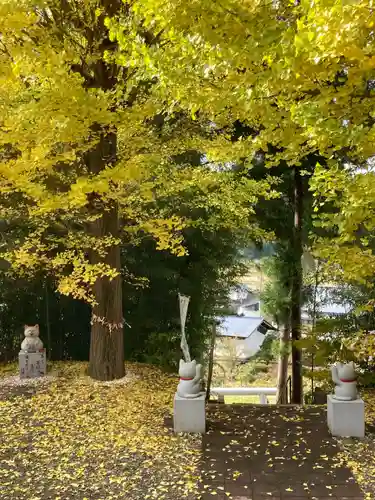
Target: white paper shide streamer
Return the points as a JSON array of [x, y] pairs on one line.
[[184, 304]]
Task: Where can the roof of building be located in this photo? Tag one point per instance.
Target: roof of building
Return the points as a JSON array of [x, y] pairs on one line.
[[241, 326]]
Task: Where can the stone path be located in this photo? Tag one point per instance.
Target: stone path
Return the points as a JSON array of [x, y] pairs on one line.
[[265, 452]]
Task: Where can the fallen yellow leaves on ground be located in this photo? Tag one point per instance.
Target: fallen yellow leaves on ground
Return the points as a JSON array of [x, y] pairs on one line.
[[77, 439]]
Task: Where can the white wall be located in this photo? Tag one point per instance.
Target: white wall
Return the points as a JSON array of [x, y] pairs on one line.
[[241, 348], [250, 313], [252, 344]]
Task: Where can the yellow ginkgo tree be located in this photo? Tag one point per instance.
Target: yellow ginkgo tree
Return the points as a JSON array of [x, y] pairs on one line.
[[299, 74], [83, 160]]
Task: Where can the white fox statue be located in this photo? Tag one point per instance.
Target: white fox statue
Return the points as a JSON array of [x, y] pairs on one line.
[[345, 379], [190, 380], [31, 342]]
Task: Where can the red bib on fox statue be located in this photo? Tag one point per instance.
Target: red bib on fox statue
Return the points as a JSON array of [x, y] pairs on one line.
[[190, 380], [345, 379]]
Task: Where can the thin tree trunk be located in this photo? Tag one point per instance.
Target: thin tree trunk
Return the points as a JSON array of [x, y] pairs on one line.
[[211, 361], [282, 374], [314, 323], [296, 291], [48, 323]]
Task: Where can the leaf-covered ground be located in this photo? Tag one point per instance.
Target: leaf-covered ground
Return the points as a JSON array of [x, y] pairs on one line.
[[72, 438], [68, 437]]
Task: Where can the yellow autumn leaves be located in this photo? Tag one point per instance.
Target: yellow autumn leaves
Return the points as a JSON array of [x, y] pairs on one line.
[[78, 438], [66, 99]]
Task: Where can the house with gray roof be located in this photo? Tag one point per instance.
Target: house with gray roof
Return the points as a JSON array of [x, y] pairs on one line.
[[240, 336]]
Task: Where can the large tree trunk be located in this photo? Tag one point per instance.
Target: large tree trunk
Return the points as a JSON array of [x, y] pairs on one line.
[[107, 337], [106, 347], [107, 341], [296, 291], [282, 374]]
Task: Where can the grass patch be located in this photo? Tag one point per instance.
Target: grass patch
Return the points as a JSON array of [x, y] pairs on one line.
[[247, 400]]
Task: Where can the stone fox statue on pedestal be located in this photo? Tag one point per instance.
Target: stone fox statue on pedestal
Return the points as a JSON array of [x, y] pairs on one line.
[[190, 380], [31, 342], [345, 380]]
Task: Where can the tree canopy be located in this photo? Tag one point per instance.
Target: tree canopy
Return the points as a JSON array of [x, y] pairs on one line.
[[299, 74], [100, 101], [91, 157]]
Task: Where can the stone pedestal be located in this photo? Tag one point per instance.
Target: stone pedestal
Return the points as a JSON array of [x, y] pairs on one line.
[[189, 415], [32, 364], [346, 418]]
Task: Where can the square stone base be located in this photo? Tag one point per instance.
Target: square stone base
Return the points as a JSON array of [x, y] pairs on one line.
[[346, 418], [32, 364], [189, 415]]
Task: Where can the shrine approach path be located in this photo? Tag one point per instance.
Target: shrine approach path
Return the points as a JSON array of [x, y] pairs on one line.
[[274, 453]]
